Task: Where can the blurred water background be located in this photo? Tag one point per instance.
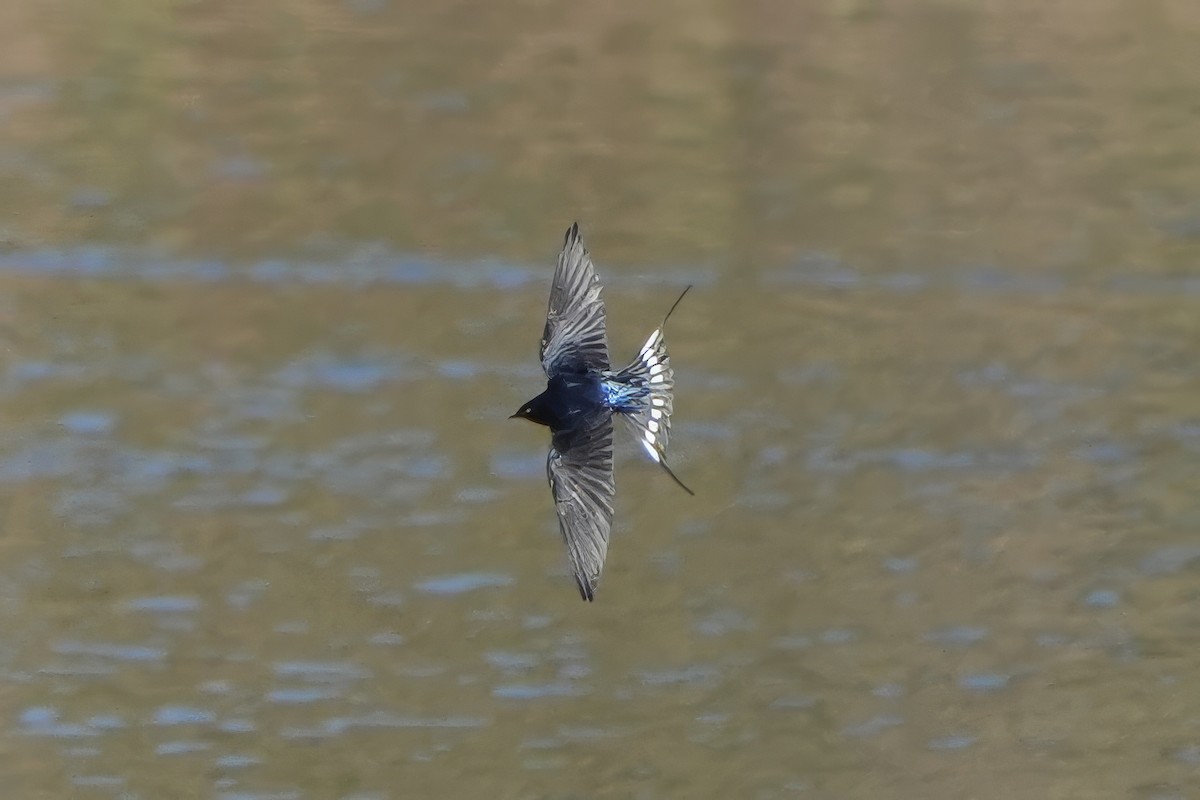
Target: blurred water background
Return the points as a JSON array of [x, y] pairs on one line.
[[272, 277]]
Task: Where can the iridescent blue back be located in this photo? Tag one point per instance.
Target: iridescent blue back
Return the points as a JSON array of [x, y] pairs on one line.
[[622, 396]]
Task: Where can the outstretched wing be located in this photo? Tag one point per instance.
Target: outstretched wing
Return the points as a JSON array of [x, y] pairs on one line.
[[574, 339], [580, 469]]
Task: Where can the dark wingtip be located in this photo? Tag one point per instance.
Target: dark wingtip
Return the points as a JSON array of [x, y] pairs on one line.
[[572, 233], [586, 590]]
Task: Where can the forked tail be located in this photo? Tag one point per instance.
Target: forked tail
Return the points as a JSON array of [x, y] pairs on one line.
[[650, 416]]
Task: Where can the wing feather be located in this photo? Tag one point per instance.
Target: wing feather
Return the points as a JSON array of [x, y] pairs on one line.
[[580, 469], [575, 338]]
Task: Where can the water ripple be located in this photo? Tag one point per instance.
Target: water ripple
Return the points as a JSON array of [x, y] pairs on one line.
[[116, 652], [321, 671], [183, 715], [463, 582], [337, 726], [164, 604], [535, 691]]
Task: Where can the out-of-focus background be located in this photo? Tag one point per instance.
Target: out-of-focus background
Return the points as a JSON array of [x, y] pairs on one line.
[[272, 276]]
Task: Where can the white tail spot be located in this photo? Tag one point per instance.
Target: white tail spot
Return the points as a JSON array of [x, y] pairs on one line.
[[658, 401], [649, 448], [649, 345], [652, 425], [656, 413]]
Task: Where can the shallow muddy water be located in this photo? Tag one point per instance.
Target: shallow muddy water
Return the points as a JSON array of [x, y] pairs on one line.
[[271, 281]]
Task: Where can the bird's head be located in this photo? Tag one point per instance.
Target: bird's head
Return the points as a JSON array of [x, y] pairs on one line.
[[534, 410]]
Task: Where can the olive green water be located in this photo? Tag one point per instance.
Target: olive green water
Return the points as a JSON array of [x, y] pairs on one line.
[[271, 280]]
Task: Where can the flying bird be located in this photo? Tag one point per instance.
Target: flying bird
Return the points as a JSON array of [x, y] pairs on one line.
[[582, 396]]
